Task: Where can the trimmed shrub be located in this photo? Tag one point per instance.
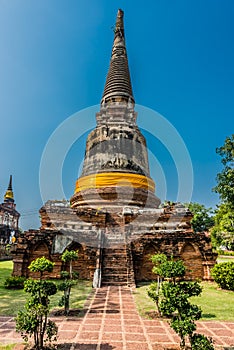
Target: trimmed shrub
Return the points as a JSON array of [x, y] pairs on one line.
[[14, 282], [33, 320], [171, 294], [223, 275]]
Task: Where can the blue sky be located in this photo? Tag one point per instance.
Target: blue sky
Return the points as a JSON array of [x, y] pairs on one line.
[[54, 57]]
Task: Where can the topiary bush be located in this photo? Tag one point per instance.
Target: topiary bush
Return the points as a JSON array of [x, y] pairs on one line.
[[223, 275], [33, 320], [171, 294], [14, 282], [69, 279], [201, 342]]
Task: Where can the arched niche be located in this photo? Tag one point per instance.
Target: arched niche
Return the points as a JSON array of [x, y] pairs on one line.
[[81, 265], [38, 251], [144, 270], [192, 258]]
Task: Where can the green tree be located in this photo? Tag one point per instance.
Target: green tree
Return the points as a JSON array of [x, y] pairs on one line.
[[70, 279], [172, 300], [222, 234], [223, 231], [225, 179], [33, 321], [202, 219]]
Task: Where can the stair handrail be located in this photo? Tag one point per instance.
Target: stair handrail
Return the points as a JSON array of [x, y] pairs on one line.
[[97, 277]]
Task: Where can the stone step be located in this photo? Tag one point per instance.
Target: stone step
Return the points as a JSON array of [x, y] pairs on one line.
[[115, 283], [113, 246], [114, 264], [115, 278], [114, 258], [114, 251], [115, 268], [111, 269], [114, 274], [114, 243], [118, 255]]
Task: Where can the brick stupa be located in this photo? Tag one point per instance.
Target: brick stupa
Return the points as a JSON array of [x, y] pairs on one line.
[[114, 218]]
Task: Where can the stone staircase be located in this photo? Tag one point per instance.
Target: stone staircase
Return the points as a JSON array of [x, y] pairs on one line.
[[117, 266]]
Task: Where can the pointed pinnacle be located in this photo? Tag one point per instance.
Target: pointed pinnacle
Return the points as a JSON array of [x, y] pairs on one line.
[[9, 195], [118, 82], [119, 26], [10, 184]]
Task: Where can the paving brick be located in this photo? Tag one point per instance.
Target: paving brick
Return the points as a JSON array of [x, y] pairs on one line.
[[90, 327], [133, 329], [159, 338], [136, 346], [112, 336], [151, 322], [70, 327], [93, 321], [66, 335], [156, 329], [89, 335], [112, 328], [135, 337]]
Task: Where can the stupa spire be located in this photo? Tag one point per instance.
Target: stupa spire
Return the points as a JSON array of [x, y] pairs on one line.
[[118, 85], [9, 195]]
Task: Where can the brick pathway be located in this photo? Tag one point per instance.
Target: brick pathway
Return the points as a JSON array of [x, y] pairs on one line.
[[113, 323]]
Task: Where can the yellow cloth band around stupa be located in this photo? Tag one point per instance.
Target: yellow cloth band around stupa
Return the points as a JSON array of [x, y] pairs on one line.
[[114, 179]]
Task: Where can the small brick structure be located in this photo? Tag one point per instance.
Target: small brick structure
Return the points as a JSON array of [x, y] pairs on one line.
[[114, 218], [9, 220]]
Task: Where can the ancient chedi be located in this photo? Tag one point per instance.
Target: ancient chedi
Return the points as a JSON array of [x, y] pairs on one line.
[[116, 170], [9, 217], [114, 218]]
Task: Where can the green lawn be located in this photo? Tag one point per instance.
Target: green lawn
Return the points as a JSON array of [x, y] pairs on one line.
[[7, 347], [11, 301], [224, 258], [216, 304]]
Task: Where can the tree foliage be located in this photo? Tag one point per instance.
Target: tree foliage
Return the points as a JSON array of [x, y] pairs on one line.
[[167, 268], [222, 234], [225, 179], [223, 231], [171, 294], [33, 320], [202, 219]]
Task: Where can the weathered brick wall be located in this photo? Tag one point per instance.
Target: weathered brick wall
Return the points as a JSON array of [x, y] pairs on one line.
[[34, 244], [194, 249], [146, 232]]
